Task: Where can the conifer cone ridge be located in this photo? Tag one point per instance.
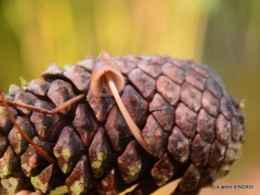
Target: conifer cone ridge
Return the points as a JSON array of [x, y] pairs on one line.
[[191, 125]]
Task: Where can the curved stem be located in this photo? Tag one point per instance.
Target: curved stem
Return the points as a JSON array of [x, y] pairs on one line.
[[131, 124]]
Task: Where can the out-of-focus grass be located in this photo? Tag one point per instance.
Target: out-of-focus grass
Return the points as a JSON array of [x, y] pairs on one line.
[[33, 33], [222, 34]]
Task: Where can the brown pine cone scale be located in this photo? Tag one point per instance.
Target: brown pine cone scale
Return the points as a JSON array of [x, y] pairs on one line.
[[192, 127]]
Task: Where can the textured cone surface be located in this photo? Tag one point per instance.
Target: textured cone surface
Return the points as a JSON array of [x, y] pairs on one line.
[[192, 127]]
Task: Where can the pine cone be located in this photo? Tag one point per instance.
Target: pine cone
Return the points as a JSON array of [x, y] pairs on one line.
[[191, 125]]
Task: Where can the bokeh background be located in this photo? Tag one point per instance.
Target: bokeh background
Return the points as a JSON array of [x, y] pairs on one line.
[[222, 34]]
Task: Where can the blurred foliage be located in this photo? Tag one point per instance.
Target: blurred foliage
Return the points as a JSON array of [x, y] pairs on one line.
[[222, 34]]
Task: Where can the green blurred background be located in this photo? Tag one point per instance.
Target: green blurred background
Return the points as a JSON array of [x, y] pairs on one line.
[[223, 34]]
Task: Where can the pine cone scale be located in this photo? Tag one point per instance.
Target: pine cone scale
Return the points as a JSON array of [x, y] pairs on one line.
[[192, 127]]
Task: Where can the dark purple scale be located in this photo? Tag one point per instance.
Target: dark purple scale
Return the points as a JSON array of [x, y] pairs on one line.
[[193, 128]]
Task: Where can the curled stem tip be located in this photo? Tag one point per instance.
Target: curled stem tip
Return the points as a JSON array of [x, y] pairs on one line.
[[106, 75], [103, 65]]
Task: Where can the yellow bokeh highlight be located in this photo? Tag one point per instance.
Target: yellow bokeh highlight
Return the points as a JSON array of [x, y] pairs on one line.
[[223, 34]]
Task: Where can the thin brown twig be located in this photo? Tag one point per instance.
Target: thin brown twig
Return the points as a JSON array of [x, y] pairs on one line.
[[25, 136]]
